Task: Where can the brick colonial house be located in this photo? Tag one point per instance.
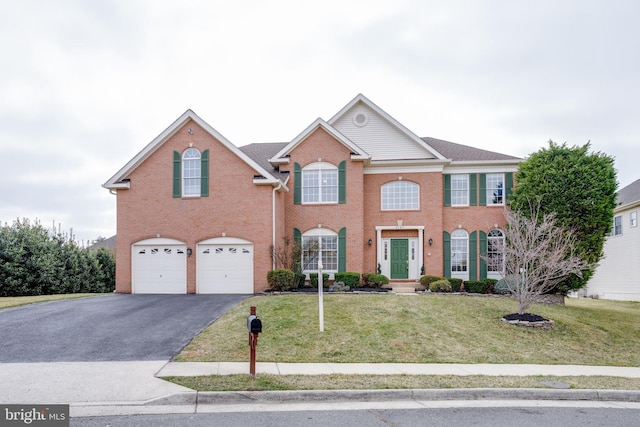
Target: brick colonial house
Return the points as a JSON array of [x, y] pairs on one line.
[[196, 214]]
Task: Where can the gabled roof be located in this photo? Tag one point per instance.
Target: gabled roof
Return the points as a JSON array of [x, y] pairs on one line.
[[119, 180], [261, 152], [629, 194], [356, 152], [360, 98], [464, 153]]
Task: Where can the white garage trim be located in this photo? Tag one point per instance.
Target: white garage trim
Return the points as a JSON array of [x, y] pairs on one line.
[[224, 266], [159, 266]]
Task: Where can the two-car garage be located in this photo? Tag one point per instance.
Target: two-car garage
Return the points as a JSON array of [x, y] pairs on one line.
[[223, 266]]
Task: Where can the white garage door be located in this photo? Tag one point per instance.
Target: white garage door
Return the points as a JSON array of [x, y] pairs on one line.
[[159, 266], [225, 266]]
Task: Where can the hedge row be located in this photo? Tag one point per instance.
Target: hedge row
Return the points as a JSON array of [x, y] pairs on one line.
[[34, 261], [285, 280], [486, 286]]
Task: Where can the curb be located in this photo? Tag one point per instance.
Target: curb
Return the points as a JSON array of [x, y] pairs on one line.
[[225, 397]]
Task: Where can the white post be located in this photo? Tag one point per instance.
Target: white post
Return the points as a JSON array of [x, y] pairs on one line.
[[320, 297]]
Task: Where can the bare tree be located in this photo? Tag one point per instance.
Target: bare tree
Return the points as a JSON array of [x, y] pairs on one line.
[[538, 255]]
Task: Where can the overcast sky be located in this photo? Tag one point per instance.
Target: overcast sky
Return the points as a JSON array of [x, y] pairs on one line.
[[85, 85]]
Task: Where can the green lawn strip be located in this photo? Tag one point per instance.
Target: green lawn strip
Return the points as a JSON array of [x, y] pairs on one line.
[[429, 328], [381, 382], [6, 302]]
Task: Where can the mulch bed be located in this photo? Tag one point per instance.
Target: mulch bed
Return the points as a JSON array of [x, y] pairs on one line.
[[528, 320]]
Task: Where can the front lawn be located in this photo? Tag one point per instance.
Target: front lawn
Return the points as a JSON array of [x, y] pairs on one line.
[[425, 328], [6, 302]]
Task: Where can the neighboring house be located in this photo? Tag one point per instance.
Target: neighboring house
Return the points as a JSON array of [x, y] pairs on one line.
[[196, 214], [618, 275], [109, 244]]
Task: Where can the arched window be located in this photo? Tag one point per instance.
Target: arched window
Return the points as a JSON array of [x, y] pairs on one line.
[[459, 253], [495, 253], [320, 183], [191, 172], [317, 243], [400, 195]]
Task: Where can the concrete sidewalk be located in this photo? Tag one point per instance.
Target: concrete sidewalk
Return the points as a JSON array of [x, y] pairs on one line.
[[182, 369], [125, 388]]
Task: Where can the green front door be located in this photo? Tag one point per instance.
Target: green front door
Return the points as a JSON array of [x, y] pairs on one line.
[[399, 259]]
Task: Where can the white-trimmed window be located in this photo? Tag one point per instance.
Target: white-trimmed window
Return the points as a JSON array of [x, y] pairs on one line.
[[495, 189], [317, 243], [320, 183], [495, 251], [460, 190], [400, 195], [191, 172], [633, 219], [459, 252], [616, 230]]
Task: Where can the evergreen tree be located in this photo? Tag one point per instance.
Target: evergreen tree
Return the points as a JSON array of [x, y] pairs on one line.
[[579, 188]]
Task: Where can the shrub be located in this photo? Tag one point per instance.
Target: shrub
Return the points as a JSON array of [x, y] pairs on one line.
[[442, 285], [350, 279], [491, 286], [475, 286], [377, 280], [299, 280], [281, 279], [313, 278], [427, 280], [501, 287], [339, 287], [456, 284]]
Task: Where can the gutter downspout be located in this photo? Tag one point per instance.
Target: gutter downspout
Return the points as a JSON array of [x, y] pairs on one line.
[[273, 225]]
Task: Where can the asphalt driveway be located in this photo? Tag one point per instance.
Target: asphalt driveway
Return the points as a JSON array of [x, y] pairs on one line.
[[116, 327]]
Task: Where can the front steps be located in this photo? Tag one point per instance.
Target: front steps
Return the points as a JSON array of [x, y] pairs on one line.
[[404, 286]]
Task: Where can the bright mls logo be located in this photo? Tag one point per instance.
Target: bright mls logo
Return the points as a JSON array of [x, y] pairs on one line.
[[34, 415]]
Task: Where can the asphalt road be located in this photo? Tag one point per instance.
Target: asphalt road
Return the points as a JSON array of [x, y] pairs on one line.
[[539, 416], [116, 327]]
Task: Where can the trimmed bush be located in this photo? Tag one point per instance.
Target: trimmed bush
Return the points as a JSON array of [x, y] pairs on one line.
[[427, 280], [456, 284], [475, 286], [350, 279], [281, 280], [440, 286], [377, 280], [313, 278], [491, 286]]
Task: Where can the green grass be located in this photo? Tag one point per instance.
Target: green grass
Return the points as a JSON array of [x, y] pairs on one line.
[[378, 382], [6, 302], [423, 329]]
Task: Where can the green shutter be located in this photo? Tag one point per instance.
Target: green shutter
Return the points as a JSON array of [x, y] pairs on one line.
[[204, 174], [447, 190], [508, 186], [483, 253], [483, 189], [473, 256], [177, 185], [473, 189], [342, 182], [447, 254], [297, 237], [297, 184], [342, 250]]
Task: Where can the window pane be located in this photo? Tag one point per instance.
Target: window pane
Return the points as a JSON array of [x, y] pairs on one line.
[[459, 250], [315, 246], [400, 195], [320, 185], [191, 172], [460, 190], [495, 185], [495, 245]]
